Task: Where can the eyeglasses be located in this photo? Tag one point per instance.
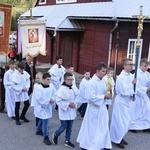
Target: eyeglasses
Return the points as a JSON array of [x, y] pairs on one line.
[[130, 64], [69, 79]]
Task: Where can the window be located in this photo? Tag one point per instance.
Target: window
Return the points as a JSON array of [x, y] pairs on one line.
[[42, 2], [132, 49]]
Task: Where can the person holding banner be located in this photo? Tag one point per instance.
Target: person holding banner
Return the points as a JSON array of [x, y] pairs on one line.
[[21, 84], [141, 107], [121, 115], [57, 71]]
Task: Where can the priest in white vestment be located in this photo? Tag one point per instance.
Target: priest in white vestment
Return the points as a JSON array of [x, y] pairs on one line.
[[121, 115], [94, 131]]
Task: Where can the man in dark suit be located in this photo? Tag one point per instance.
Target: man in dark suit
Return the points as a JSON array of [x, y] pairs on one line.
[[30, 68], [2, 91]]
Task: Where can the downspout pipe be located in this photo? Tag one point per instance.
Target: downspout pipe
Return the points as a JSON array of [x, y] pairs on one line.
[[110, 41]]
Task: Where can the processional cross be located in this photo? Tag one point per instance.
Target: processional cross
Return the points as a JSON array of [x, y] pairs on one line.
[[138, 44]]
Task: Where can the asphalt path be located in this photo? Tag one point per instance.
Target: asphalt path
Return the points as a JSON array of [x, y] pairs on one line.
[[23, 137]]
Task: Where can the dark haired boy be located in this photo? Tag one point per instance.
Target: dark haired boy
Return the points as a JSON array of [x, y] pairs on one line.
[[56, 72], [44, 95], [21, 81], [94, 131], [66, 99]]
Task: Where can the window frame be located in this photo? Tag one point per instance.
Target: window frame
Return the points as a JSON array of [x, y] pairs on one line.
[[134, 50], [42, 2]]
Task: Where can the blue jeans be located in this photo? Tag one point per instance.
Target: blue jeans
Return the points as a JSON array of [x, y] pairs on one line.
[[43, 126], [65, 125]]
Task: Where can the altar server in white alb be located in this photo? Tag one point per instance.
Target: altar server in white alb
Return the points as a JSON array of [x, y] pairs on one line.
[[38, 81], [9, 95], [121, 115], [94, 131], [57, 71], [82, 87], [45, 97], [21, 81], [67, 99], [141, 107]]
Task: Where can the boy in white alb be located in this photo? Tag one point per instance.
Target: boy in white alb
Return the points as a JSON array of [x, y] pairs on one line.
[[21, 84], [44, 95], [82, 87], [38, 80], [9, 95], [66, 99], [121, 115], [57, 71], [94, 131], [141, 106]]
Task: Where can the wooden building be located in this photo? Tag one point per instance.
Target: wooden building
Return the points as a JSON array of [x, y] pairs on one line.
[[86, 32]]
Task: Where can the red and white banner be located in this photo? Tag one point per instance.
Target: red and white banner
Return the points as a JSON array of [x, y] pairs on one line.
[[5, 23], [32, 37]]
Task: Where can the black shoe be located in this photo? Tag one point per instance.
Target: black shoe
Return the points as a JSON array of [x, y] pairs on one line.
[[24, 119], [79, 110], [124, 142], [69, 144], [39, 132], [83, 148], [107, 149], [146, 130], [133, 131], [54, 139], [3, 111], [18, 122], [47, 141], [13, 118], [121, 145]]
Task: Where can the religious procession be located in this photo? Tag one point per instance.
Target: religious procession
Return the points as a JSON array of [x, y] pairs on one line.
[[109, 108]]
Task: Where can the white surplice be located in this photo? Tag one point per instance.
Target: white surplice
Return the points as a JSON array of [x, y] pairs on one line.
[[56, 74], [94, 131], [82, 87], [9, 95], [64, 96], [20, 80], [33, 99], [121, 115], [141, 106], [42, 105]]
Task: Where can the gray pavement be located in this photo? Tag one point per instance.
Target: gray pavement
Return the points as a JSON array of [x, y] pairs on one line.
[[23, 137]]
